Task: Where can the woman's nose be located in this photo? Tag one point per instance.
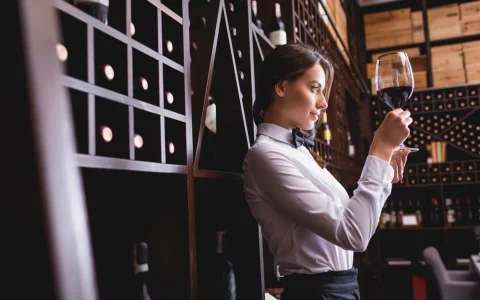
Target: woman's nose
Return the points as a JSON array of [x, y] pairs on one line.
[[321, 102]]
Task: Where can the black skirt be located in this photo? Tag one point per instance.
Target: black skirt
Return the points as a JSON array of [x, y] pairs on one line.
[[330, 285]]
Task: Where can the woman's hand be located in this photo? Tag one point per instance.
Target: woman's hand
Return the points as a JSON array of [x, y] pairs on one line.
[[398, 161], [393, 131]]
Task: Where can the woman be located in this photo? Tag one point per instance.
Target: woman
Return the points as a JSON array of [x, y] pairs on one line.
[[311, 226]]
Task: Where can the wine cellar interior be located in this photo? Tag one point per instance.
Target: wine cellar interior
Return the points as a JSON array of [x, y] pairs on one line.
[[136, 116]]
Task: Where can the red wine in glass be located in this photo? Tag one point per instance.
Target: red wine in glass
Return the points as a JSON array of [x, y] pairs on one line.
[[395, 82], [395, 96]]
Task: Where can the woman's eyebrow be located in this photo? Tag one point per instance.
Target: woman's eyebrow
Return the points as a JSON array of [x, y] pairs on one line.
[[314, 81]]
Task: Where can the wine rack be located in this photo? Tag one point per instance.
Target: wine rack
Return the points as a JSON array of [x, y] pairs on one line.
[[141, 90], [223, 131], [450, 115], [446, 129], [129, 85], [310, 28]]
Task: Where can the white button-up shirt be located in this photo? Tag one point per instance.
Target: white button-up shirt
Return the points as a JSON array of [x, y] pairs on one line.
[[306, 216]]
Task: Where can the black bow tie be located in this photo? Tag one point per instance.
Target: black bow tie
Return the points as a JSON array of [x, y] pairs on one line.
[[299, 139]]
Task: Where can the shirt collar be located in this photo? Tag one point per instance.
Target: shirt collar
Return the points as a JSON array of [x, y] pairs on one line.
[[275, 132]]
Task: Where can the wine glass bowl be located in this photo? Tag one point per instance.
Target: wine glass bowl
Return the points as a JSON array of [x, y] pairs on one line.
[[395, 82]]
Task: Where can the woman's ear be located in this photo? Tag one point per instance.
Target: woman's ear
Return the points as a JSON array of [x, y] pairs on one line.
[[280, 88]]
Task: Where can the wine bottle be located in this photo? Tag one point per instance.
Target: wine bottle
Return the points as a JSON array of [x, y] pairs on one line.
[[393, 215], [458, 212], [450, 212], [141, 271], [96, 8], [351, 146], [418, 212], [400, 212], [436, 213], [327, 134], [211, 124], [225, 288], [107, 71], [468, 215], [169, 97], [171, 147], [132, 29], [255, 18], [168, 46], [211, 116], [106, 133], [385, 218], [277, 33], [198, 23], [141, 84], [62, 52], [138, 141]]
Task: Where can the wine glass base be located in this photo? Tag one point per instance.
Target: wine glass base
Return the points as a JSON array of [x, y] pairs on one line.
[[403, 147]]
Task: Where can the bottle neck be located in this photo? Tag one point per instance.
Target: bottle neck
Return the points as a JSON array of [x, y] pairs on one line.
[[278, 12], [220, 242], [254, 8]]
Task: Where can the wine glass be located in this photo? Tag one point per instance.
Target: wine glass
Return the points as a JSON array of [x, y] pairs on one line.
[[394, 82]]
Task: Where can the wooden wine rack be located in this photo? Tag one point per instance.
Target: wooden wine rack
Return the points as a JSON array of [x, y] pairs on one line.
[[450, 116], [165, 191]]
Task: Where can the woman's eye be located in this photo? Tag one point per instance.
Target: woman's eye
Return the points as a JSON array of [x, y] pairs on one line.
[[315, 88]]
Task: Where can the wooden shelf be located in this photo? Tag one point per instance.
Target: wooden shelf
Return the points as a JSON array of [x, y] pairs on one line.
[[111, 163], [74, 12], [92, 89], [455, 40], [217, 175]]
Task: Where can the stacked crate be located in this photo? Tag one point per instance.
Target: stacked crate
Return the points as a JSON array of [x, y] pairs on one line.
[[454, 20], [447, 65], [470, 18], [471, 54], [388, 28], [444, 22], [418, 34]]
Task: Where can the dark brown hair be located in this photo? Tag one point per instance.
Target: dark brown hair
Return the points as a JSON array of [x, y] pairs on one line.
[[288, 62]]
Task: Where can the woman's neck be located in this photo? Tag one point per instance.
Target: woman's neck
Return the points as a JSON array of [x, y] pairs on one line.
[[274, 117]]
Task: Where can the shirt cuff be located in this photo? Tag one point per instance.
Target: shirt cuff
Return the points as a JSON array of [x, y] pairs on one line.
[[377, 169]]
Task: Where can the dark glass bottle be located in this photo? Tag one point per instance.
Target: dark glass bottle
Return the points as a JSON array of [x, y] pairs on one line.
[[225, 288]]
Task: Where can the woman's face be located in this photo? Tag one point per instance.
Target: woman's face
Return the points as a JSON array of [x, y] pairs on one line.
[[302, 101]]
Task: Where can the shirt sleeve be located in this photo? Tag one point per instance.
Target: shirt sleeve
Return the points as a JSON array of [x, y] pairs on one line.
[[279, 181]]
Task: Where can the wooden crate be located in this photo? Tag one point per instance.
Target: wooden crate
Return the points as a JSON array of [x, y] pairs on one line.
[[411, 52], [470, 11], [471, 52], [471, 55], [449, 78], [387, 21], [470, 28], [419, 63], [389, 39], [417, 27], [446, 58], [420, 79], [443, 14], [473, 73], [444, 22]]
